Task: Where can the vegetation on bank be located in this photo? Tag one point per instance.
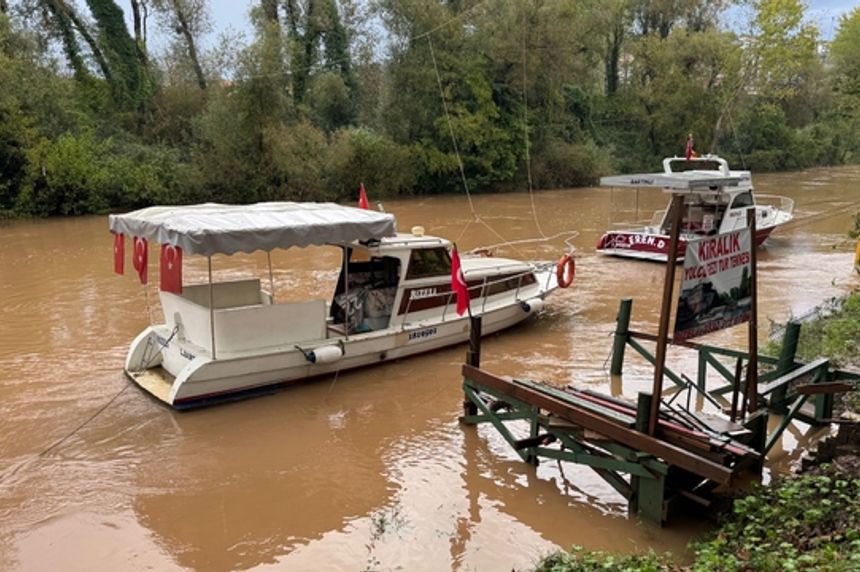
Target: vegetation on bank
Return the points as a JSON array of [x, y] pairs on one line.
[[808, 522], [330, 93]]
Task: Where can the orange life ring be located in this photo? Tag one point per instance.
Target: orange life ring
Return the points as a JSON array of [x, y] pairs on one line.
[[565, 270]]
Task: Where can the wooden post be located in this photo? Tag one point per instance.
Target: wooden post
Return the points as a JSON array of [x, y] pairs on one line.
[[736, 387], [665, 309], [752, 365], [622, 326], [473, 358]]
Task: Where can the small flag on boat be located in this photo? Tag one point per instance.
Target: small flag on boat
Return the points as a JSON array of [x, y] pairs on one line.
[[119, 253], [458, 283], [690, 153], [140, 259], [171, 268], [362, 197]]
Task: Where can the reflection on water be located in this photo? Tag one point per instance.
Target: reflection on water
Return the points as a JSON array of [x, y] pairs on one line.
[[367, 469]]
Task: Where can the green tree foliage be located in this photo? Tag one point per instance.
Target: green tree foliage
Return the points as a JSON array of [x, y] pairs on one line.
[[783, 47], [407, 96], [130, 85]]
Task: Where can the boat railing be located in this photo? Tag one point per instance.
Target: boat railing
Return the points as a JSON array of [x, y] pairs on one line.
[[486, 283], [784, 204]]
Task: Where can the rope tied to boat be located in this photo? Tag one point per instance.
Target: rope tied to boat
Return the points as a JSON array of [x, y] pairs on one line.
[[148, 361]]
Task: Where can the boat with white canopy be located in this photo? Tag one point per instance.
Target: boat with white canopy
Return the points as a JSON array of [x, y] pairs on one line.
[[393, 298], [716, 201]]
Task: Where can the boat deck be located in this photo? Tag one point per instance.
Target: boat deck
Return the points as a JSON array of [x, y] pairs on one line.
[[157, 381]]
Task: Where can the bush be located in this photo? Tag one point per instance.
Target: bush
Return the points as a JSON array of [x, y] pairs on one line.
[[560, 165]]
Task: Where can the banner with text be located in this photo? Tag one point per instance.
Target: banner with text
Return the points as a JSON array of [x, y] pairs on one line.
[[715, 289]]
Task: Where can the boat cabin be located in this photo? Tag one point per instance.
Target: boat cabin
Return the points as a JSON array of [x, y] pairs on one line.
[[407, 278]]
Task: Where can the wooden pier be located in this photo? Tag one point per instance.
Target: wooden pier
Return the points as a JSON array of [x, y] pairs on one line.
[[692, 455]]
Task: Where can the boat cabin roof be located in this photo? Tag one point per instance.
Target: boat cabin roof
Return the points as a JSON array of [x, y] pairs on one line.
[[213, 228], [401, 242], [707, 174]]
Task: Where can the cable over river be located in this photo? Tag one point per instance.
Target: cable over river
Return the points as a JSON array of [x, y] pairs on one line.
[[368, 469]]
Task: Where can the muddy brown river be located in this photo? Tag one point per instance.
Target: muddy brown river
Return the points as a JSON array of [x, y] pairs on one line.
[[366, 470]]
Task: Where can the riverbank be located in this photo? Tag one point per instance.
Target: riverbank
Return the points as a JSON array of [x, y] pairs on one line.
[[809, 521]]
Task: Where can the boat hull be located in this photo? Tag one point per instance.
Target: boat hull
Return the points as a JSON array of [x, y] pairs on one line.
[[202, 381], [643, 245]]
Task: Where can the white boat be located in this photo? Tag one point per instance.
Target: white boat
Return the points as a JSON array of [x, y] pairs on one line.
[[716, 201], [393, 298]]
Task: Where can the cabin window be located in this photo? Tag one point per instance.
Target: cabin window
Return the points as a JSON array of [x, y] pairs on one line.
[[743, 200], [428, 262]]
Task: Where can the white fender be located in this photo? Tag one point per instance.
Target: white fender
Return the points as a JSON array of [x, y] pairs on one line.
[[325, 354]]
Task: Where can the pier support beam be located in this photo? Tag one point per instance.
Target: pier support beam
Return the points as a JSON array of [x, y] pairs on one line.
[[622, 327]]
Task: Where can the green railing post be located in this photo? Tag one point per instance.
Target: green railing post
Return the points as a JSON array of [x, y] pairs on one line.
[[785, 364], [622, 327], [643, 410]]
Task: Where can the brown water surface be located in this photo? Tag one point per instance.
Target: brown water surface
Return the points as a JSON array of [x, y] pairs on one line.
[[365, 470]]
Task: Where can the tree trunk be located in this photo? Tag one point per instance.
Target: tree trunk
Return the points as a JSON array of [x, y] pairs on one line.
[[616, 36], [63, 10], [182, 18], [140, 29]]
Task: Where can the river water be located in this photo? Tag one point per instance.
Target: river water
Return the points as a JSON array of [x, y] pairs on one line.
[[367, 470]]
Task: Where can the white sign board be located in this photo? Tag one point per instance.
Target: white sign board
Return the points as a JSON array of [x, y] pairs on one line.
[[715, 289]]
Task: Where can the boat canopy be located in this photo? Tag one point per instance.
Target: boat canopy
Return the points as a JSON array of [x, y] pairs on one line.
[[684, 181], [212, 228]]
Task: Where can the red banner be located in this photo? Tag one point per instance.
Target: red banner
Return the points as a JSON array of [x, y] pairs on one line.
[[362, 197], [458, 283], [140, 259], [119, 253], [171, 268]]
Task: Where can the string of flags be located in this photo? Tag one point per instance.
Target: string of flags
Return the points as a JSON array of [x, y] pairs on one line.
[[170, 262]]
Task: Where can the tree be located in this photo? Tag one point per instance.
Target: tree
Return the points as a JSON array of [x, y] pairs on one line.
[[845, 53], [782, 49], [317, 37], [188, 19]]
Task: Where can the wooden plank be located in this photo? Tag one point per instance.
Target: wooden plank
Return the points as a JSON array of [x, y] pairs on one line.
[[629, 437], [793, 375], [627, 420], [818, 388]]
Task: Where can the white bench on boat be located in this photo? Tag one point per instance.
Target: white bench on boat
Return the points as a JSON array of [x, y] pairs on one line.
[[245, 318]]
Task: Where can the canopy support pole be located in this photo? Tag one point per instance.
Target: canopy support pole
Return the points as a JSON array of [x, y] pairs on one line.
[[346, 291], [211, 307], [271, 277]]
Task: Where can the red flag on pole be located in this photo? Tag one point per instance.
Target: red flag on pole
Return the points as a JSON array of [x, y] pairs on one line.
[[171, 268], [458, 283], [140, 259], [362, 197], [119, 253], [690, 153]]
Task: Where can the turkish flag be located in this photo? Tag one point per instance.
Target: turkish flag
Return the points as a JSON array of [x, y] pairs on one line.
[[362, 197], [119, 253], [689, 152], [171, 268], [140, 259], [458, 283]]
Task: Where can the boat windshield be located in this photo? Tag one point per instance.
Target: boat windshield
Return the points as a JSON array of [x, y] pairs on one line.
[[683, 165], [427, 262], [743, 200]]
